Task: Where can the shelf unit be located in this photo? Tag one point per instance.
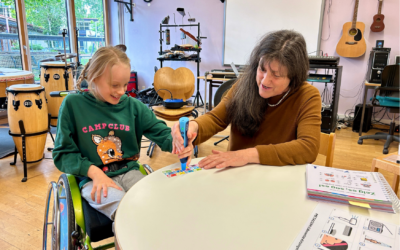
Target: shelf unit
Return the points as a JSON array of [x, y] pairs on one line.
[[197, 97], [329, 116]]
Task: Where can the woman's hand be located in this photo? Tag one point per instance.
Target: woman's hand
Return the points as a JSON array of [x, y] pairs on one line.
[[100, 181], [230, 159], [188, 151], [177, 140]]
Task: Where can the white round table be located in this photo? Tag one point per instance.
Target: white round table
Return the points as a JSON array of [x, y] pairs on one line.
[[252, 207]]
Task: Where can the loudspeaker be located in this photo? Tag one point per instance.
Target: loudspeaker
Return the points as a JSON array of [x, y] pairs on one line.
[[378, 59], [397, 59], [367, 118]]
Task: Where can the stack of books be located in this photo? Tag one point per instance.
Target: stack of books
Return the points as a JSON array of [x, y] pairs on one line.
[[359, 188]]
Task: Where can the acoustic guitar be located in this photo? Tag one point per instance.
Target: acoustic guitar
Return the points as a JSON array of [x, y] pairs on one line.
[[378, 25], [352, 42]]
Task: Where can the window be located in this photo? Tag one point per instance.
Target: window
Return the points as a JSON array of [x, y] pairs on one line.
[[90, 22], [46, 20], [10, 55]]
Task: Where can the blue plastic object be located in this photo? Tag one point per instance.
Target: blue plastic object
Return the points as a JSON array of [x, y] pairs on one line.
[[183, 128], [388, 101]]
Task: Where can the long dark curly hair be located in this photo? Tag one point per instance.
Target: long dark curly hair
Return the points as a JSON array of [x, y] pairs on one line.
[[246, 110]]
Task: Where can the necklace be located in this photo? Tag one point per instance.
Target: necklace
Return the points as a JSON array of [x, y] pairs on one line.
[[273, 105]]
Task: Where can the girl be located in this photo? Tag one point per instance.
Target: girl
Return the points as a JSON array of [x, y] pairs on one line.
[[99, 132]]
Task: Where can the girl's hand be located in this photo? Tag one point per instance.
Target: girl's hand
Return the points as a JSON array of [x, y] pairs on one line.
[[230, 159], [100, 181], [177, 140]]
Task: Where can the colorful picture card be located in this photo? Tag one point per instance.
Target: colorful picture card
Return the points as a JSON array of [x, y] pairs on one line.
[[177, 171]]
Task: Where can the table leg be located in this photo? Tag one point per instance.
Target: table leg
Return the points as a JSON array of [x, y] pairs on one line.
[[210, 106], [205, 93], [374, 168], [363, 111]]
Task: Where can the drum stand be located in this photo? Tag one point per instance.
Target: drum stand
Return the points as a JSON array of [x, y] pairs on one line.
[[24, 135]]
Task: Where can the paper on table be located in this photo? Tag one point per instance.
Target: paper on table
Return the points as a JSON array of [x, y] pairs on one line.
[[331, 228]]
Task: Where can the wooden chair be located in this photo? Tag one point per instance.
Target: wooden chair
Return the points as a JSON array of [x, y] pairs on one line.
[[392, 167], [327, 147]]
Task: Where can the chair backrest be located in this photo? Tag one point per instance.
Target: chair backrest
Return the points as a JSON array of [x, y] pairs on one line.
[[327, 147], [179, 83], [390, 78]]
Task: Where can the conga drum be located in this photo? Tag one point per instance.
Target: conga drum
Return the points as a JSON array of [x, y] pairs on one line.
[[52, 77], [10, 77], [27, 108]]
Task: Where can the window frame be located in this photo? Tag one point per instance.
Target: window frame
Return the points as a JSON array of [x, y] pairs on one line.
[[70, 5]]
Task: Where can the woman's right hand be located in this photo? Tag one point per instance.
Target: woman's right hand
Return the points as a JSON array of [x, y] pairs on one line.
[[177, 140], [100, 181]]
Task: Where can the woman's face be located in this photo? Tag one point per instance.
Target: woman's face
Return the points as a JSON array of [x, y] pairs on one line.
[[112, 92], [272, 79]]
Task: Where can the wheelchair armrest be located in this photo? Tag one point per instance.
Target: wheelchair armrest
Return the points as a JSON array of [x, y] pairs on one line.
[[76, 201]]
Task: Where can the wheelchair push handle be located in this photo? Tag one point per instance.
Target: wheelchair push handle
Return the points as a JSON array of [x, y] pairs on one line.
[[62, 93]]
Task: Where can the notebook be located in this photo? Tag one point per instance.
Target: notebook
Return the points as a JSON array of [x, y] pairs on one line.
[[359, 188]]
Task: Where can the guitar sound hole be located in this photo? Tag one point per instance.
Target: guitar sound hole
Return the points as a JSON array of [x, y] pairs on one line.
[[378, 19], [353, 32]]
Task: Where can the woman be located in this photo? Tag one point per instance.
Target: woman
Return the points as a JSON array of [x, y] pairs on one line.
[[275, 116]]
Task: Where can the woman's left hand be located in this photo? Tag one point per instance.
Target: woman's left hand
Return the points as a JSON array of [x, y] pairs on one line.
[[238, 158]]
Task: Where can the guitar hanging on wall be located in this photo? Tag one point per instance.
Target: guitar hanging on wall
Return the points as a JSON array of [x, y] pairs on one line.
[[352, 42], [378, 25]]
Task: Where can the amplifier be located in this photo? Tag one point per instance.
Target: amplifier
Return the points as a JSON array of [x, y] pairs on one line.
[[367, 118]]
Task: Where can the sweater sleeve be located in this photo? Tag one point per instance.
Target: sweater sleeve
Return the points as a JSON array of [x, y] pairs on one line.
[[156, 130], [66, 154], [305, 148], [214, 121]]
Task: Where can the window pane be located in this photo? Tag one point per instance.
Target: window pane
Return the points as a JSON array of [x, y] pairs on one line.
[[90, 22], [46, 20], [10, 55]]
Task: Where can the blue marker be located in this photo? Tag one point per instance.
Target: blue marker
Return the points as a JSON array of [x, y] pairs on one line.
[[183, 127]]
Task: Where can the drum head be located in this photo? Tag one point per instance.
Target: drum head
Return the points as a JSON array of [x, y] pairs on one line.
[[24, 87], [55, 64]]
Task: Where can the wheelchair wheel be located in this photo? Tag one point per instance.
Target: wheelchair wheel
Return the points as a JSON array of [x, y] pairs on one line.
[[59, 204]]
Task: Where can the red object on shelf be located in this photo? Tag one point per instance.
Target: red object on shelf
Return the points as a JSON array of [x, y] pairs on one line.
[[133, 83]]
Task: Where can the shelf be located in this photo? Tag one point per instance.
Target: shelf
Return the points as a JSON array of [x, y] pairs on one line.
[[182, 49], [177, 59]]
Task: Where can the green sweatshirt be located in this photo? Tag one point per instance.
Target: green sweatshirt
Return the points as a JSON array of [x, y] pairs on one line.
[[92, 132]]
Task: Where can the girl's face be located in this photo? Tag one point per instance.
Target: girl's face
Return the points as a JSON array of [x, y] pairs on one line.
[[112, 92], [272, 79]]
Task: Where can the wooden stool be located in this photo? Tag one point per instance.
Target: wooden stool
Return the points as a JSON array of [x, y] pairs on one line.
[[392, 167]]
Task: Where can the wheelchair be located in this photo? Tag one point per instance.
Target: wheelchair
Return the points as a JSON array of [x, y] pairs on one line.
[[74, 223]]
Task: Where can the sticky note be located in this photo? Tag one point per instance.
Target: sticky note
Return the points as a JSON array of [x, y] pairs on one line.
[[359, 204]]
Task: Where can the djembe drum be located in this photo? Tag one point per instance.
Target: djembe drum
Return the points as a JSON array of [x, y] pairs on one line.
[[28, 120], [54, 76]]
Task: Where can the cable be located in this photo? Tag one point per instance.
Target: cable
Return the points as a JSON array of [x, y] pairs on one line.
[[322, 52], [329, 20], [166, 90]]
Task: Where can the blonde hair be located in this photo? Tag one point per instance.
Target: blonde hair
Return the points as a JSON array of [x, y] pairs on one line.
[[103, 57]]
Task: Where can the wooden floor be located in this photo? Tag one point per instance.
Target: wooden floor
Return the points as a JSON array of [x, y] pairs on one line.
[[22, 204]]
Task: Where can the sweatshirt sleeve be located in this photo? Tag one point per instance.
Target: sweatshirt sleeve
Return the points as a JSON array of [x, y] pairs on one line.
[[156, 130], [214, 121], [305, 148], [66, 154]]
